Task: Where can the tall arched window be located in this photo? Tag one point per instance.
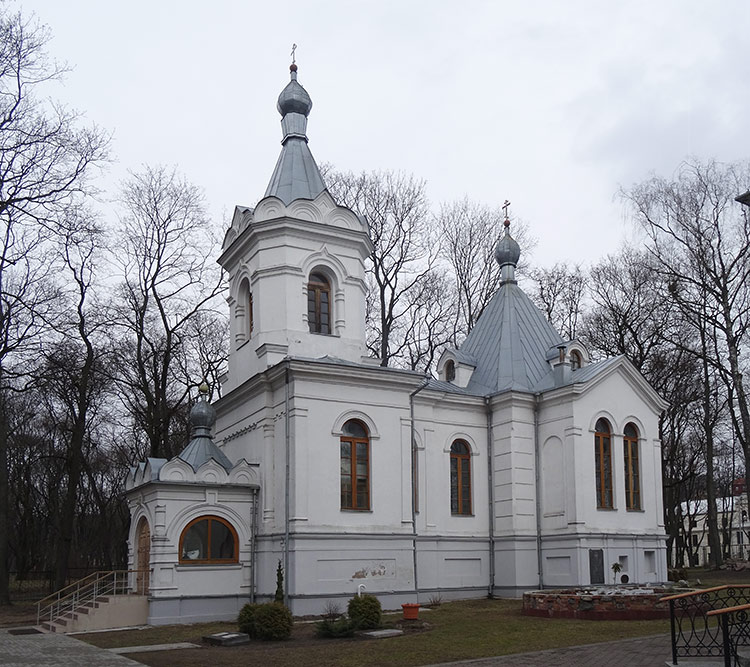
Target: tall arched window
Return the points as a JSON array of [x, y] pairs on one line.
[[460, 478], [319, 304], [632, 470], [209, 539], [603, 463], [244, 312], [575, 360], [450, 370], [355, 466]]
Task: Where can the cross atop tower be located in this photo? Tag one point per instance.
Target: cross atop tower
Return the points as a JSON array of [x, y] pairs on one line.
[[294, 48]]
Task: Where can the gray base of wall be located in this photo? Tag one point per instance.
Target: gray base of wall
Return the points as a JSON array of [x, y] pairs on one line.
[[197, 609]]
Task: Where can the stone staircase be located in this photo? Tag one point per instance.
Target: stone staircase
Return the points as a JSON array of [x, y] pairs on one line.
[[100, 601]]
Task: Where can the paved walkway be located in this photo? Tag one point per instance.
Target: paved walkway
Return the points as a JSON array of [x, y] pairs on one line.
[[654, 651], [54, 650]]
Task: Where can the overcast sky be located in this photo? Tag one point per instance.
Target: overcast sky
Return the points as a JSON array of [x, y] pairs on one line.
[[552, 104]]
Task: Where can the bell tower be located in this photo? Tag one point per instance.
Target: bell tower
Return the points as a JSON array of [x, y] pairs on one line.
[[295, 263]]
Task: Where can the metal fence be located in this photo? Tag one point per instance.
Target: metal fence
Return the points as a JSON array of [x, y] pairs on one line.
[[33, 586]]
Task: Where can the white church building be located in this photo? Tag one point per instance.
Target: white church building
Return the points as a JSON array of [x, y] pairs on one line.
[[523, 466]]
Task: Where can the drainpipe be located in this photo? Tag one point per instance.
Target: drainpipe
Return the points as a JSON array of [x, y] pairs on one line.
[[254, 544], [538, 484], [490, 495], [287, 476], [414, 482]]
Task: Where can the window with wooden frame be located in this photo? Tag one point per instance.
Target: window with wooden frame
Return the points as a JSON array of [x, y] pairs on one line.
[[603, 464], [209, 539], [460, 478], [632, 469], [355, 466], [576, 361], [319, 304]]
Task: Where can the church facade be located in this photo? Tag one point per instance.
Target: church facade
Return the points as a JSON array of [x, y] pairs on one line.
[[523, 465]]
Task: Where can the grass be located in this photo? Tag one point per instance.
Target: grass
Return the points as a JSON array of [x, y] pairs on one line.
[[458, 631]]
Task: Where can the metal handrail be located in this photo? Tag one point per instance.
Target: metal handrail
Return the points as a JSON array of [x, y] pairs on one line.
[[85, 591], [692, 630], [736, 617]]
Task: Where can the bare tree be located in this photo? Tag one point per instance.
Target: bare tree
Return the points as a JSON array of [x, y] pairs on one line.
[[559, 292], [44, 161], [699, 239], [397, 212], [168, 280]]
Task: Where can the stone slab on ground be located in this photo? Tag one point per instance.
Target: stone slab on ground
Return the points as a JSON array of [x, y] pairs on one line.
[[382, 634], [227, 639], [152, 647]]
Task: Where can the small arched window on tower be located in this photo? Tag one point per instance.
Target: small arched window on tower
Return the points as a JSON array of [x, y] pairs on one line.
[[319, 304], [244, 312], [450, 371], [575, 360], [460, 478], [603, 464], [632, 470]]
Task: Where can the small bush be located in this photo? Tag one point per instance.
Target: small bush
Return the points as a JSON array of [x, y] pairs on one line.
[[365, 612], [334, 629], [246, 619], [272, 621]]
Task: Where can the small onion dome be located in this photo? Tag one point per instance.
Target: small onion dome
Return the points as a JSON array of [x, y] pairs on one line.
[[294, 98], [507, 251], [203, 414]]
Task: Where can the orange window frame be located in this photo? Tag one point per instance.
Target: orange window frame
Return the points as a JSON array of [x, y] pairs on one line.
[[318, 285], [632, 472], [350, 501], [603, 462], [210, 518], [463, 464]]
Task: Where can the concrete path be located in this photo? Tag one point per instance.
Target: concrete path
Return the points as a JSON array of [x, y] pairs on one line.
[[53, 650], [652, 651]]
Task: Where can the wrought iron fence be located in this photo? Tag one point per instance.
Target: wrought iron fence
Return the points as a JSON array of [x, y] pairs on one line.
[[696, 633], [735, 630]]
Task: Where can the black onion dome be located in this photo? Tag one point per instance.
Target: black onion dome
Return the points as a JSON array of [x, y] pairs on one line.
[[294, 98]]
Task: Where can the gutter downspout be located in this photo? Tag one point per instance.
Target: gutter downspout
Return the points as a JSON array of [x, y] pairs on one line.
[[414, 482], [254, 545], [490, 496], [287, 476], [538, 484]]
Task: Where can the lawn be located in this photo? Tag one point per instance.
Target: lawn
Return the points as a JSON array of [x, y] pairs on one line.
[[453, 631]]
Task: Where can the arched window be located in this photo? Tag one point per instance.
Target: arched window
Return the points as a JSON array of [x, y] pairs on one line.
[[209, 539], [319, 304], [632, 470], [355, 466], [603, 463], [460, 478], [244, 312], [450, 371], [575, 360]]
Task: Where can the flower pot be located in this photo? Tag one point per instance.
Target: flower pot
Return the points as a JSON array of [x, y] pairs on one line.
[[411, 611]]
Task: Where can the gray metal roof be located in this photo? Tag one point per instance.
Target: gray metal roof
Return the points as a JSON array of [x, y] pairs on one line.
[[510, 343], [202, 448], [296, 175]]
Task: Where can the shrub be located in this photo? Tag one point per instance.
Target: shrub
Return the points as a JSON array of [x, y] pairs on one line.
[[334, 629], [246, 619], [365, 611], [272, 621]]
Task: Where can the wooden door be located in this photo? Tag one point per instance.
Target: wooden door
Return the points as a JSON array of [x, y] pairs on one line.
[[143, 562]]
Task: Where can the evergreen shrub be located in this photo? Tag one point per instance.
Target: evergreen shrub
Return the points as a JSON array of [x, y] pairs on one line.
[[334, 629], [272, 621], [246, 619], [365, 612]]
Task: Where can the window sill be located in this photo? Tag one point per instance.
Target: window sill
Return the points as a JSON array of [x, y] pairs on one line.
[[464, 515], [606, 509], [235, 565], [327, 335], [635, 509], [355, 510]]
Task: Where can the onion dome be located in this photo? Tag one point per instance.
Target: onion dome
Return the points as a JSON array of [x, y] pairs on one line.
[[507, 251], [294, 98], [203, 415]]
